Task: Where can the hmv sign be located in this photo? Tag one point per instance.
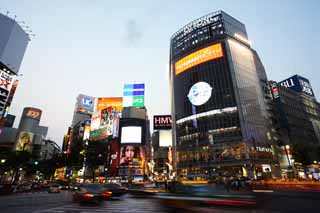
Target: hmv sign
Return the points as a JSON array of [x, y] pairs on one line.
[[298, 84], [162, 122]]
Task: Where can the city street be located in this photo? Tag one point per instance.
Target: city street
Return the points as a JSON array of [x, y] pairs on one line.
[[42, 202]]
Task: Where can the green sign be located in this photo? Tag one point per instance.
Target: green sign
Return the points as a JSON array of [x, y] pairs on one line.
[[138, 101], [98, 134]]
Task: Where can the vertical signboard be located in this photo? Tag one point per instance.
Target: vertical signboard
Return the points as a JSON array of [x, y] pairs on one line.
[[133, 95], [11, 94], [6, 81]]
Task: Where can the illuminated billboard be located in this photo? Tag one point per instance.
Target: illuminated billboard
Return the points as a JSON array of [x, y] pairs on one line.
[[203, 55], [32, 113], [86, 133], [162, 122], [11, 94], [298, 84], [95, 121], [85, 104], [199, 93], [108, 120], [132, 156], [131, 134], [98, 134], [6, 81], [133, 95], [24, 142], [165, 138], [114, 102]]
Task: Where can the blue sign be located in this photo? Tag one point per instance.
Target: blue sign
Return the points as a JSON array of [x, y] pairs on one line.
[[87, 102], [133, 90], [298, 84]]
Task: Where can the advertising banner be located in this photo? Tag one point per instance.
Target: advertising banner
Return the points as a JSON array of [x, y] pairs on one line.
[[203, 55], [131, 134], [132, 156], [95, 121], [114, 102], [133, 95], [298, 84], [85, 104], [11, 94], [165, 138], [6, 81], [162, 122], [32, 113], [24, 142], [98, 134]]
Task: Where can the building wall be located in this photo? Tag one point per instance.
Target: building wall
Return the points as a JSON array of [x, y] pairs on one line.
[[13, 43], [229, 128]]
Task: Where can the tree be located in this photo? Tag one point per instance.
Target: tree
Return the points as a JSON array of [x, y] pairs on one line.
[[302, 153]]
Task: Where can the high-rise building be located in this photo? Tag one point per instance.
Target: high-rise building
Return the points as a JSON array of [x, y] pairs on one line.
[[13, 44], [218, 107], [296, 118]]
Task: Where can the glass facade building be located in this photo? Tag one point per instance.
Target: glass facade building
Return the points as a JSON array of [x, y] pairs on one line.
[[218, 110]]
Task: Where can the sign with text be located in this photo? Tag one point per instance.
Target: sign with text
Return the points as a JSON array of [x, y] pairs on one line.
[[162, 122], [32, 113], [114, 102], [6, 81], [198, 57], [133, 95], [298, 84]]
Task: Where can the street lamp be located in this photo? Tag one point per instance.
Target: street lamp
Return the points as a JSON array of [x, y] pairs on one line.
[[3, 160]]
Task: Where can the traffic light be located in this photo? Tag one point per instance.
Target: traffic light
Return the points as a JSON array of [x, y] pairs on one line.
[[36, 163]]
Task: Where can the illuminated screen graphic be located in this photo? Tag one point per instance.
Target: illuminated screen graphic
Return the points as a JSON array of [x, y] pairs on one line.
[[131, 134], [199, 93], [198, 57]]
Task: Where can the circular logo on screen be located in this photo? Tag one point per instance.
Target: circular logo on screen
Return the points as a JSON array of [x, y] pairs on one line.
[[87, 102], [199, 93]]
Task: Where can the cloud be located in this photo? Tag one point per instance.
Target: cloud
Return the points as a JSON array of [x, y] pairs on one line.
[[132, 34]]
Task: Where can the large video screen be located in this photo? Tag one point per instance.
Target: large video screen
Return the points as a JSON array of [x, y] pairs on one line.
[[131, 134], [165, 138]]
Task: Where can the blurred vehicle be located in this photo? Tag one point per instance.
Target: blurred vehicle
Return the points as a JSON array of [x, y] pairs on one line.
[[91, 193], [6, 189], [64, 186], [74, 186], [54, 188], [116, 189], [24, 187]]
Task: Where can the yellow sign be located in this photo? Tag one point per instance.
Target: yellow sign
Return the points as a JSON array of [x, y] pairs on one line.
[[198, 57]]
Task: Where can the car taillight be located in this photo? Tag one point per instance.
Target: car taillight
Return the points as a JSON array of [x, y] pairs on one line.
[[107, 194], [88, 195]]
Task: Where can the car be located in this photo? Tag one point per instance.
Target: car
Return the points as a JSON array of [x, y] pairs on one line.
[[116, 189], [75, 186], [91, 193], [54, 188]]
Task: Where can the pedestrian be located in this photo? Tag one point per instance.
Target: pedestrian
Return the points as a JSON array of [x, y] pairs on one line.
[[227, 184]]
